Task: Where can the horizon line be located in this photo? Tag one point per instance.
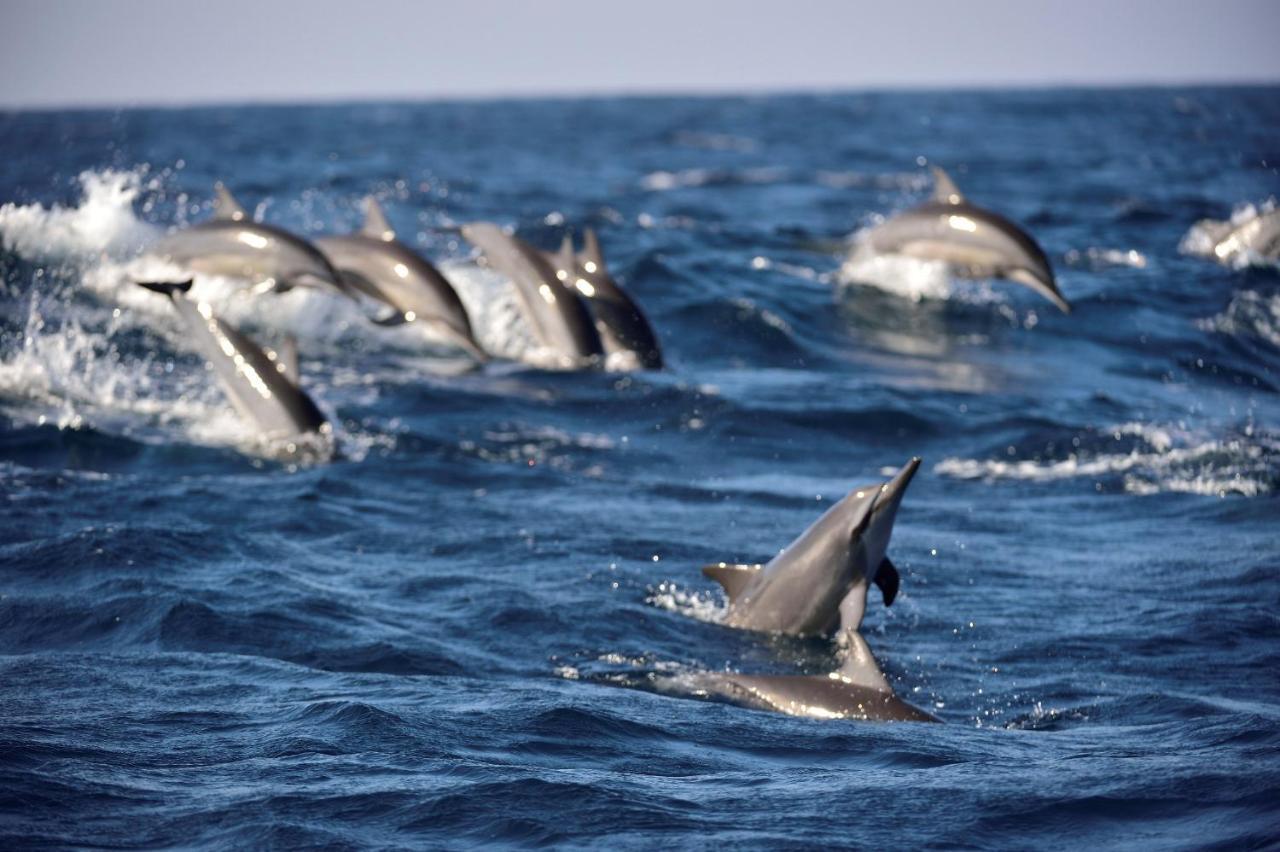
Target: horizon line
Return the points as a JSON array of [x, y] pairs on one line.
[[637, 93]]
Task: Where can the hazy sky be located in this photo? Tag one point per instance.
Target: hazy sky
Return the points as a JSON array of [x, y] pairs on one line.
[[73, 52]]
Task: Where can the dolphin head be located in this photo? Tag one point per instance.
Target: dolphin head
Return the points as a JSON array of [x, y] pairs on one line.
[[874, 535]]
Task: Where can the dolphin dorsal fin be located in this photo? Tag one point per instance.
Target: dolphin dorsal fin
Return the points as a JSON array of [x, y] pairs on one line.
[[225, 205], [591, 253], [733, 578], [375, 221], [565, 258], [860, 666], [286, 358], [945, 190]]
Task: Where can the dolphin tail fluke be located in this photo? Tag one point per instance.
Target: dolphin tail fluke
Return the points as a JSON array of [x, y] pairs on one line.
[[167, 288], [888, 580]]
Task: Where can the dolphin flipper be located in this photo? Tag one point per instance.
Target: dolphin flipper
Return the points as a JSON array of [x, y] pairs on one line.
[[888, 580], [287, 359], [733, 578]]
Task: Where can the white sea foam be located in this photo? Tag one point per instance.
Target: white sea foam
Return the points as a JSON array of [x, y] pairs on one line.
[[1102, 258], [1204, 237], [102, 224], [1165, 460]]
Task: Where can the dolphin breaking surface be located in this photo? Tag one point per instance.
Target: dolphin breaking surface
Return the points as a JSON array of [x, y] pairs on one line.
[[408, 646]]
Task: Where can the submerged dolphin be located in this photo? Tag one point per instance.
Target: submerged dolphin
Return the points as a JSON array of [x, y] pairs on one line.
[[622, 325], [560, 321], [234, 245], [374, 262], [263, 386], [973, 241], [856, 690], [1256, 236], [822, 578]]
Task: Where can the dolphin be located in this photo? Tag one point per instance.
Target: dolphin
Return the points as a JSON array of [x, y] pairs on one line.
[[821, 579], [858, 689], [560, 321], [622, 325], [1258, 236], [232, 244], [262, 385], [374, 262], [973, 241]]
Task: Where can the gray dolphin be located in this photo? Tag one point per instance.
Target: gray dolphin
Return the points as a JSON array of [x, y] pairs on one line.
[[1259, 235], [973, 241], [560, 321], [858, 689], [622, 325], [263, 386], [234, 245], [822, 578], [374, 262]]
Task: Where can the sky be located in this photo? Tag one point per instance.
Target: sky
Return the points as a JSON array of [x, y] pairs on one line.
[[172, 52]]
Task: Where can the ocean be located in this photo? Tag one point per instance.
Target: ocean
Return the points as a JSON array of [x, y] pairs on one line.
[[449, 635]]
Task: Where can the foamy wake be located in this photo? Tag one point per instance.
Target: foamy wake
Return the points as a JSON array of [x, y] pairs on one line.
[[1156, 460], [102, 224], [1204, 237]]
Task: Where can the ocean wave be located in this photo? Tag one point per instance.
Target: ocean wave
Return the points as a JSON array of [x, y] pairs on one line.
[[1249, 314], [1157, 459]]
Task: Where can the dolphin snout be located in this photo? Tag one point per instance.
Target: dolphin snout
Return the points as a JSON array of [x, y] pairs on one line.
[[892, 492]]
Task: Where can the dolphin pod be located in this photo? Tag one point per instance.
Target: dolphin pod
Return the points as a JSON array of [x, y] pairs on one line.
[[262, 385], [973, 241]]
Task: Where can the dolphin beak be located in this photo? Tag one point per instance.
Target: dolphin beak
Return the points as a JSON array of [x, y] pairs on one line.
[[892, 492]]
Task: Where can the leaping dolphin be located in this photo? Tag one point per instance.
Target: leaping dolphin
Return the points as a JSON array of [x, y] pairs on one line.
[[1256, 236], [263, 386], [560, 321], [858, 690], [234, 245], [622, 325], [973, 241], [822, 577], [374, 262]]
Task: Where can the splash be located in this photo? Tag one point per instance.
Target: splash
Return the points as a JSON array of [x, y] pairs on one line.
[[701, 605], [103, 224]]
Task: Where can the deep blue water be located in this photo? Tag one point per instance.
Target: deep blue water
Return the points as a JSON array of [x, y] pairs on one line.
[[423, 642]]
